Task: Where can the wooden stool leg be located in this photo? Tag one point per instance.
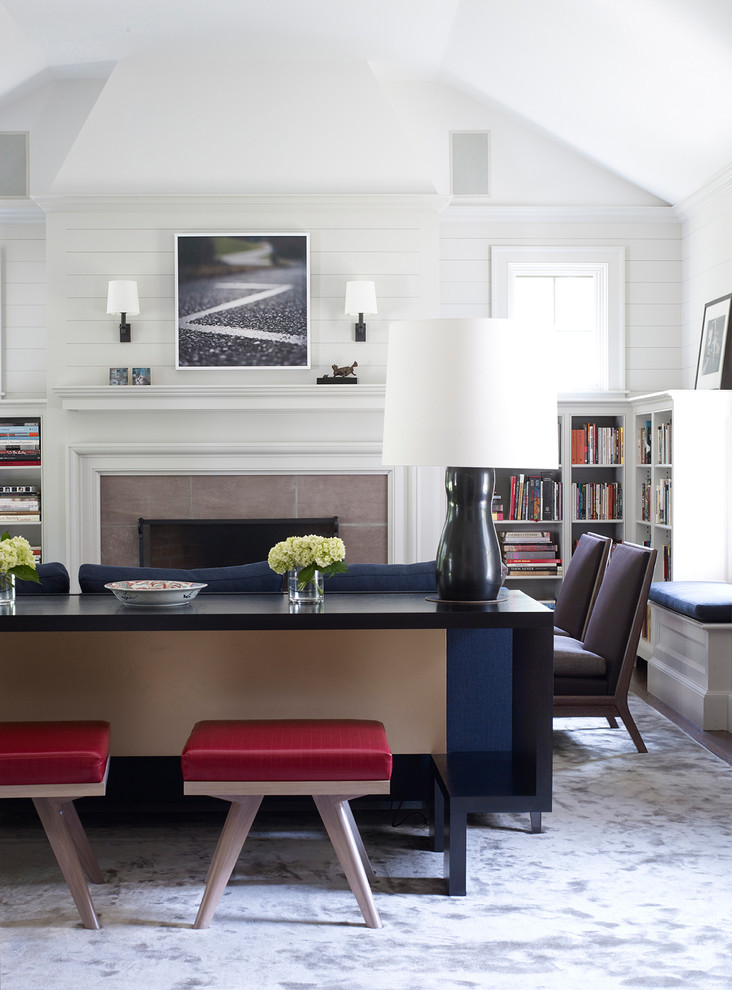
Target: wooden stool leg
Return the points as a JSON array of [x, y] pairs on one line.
[[368, 868], [62, 842], [232, 838], [85, 851], [340, 828]]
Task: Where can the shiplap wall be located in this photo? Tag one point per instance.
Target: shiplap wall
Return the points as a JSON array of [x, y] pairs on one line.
[[707, 261], [653, 274], [392, 240], [23, 317]]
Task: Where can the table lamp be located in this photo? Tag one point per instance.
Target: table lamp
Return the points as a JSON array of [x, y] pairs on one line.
[[477, 395]]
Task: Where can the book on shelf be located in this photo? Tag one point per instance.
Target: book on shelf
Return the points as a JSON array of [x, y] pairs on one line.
[[20, 504], [593, 444], [524, 536], [19, 430], [597, 500], [644, 443], [19, 489], [535, 498], [19, 517]]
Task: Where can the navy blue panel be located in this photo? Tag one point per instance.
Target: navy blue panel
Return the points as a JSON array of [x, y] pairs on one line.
[[479, 689], [705, 601]]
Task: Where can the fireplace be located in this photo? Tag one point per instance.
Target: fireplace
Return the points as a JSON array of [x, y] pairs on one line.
[[191, 543], [229, 502]]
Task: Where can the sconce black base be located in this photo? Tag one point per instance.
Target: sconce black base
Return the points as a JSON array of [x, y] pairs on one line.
[[360, 328], [125, 331]]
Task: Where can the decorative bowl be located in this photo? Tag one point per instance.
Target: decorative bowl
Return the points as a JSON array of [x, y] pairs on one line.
[[155, 592]]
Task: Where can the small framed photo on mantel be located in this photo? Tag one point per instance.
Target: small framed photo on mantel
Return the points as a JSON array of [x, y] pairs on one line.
[[119, 376], [714, 366], [141, 376]]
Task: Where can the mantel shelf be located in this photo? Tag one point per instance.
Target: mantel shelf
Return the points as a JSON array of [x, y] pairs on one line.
[[134, 398]]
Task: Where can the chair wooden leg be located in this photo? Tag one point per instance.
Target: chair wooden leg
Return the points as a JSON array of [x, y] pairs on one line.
[[612, 721], [85, 851], [64, 848], [342, 832], [233, 835], [630, 725]]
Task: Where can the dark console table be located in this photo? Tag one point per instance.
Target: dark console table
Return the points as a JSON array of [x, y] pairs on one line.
[[498, 691]]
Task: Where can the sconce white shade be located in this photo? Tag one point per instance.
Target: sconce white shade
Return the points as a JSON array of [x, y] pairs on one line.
[[360, 298], [470, 393], [122, 297]]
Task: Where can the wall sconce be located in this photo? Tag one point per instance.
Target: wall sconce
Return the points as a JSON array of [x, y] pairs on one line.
[[360, 299], [122, 298]]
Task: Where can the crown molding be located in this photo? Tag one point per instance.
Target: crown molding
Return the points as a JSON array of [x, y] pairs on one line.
[[718, 187], [286, 202], [21, 210], [481, 211]]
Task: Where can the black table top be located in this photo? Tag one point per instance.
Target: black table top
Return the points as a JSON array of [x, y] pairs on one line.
[[100, 613]]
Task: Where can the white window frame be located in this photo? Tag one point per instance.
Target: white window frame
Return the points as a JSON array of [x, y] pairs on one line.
[[606, 265]]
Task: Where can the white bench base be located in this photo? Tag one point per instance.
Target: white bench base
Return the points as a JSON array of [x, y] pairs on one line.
[[691, 667]]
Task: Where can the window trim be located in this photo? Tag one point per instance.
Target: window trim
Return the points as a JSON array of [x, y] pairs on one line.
[[607, 263]]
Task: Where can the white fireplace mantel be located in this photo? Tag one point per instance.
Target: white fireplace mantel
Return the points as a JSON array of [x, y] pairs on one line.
[[134, 398]]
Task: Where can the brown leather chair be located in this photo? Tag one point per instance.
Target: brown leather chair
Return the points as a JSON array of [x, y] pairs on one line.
[[581, 584], [592, 676]]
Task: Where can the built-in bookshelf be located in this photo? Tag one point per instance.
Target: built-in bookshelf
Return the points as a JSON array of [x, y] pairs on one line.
[[681, 479], [540, 515], [20, 479]]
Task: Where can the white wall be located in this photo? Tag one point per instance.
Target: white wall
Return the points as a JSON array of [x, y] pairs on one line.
[[652, 242], [23, 317], [707, 261]]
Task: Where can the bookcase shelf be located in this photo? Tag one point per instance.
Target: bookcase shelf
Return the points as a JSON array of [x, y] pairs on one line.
[[20, 479], [682, 469], [600, 479]]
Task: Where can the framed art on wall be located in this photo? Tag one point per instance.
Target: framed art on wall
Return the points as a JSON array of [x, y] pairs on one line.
[[242, 301], [714, 366]]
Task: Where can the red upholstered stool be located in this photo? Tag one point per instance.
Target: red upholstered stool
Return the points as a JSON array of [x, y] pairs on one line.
[[334, 760], [54, 763]]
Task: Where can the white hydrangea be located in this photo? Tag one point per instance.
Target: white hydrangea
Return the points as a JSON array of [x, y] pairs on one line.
[[16, 557], [322, 552]]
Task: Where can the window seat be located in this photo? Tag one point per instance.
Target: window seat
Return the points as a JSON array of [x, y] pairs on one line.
[[691, 666]]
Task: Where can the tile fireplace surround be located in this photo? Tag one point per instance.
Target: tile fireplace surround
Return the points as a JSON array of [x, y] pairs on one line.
[[360, 502]]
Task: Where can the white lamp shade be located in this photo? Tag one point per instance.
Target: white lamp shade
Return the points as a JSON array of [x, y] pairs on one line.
[[470, 393], [360, 298], [122, 298]]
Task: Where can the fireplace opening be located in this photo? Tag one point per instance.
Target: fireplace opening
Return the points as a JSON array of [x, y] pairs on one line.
[[188, 543]]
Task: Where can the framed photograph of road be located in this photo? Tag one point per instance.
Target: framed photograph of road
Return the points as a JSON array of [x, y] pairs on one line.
[[242, 301]]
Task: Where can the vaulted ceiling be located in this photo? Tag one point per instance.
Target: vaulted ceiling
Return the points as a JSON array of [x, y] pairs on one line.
[[641, 87]]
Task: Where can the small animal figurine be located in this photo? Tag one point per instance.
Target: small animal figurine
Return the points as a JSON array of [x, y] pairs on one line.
[[344, 372]]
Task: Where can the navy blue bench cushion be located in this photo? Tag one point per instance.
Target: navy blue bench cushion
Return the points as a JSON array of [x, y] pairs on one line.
[[705, 601], [418, 577], [54, 580], [218, 580]]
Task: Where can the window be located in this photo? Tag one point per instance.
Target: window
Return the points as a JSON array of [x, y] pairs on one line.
[[580, 291]]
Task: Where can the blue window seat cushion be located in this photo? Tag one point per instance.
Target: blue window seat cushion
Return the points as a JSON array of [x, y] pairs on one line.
[[247, 578], [705, 601]]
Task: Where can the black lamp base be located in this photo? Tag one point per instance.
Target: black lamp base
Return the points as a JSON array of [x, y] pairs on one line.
[[468, 565]]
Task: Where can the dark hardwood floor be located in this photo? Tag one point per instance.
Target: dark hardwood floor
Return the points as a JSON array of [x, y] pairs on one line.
[[717, 742]]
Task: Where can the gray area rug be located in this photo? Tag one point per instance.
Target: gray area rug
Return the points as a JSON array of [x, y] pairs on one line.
[[629, 885]]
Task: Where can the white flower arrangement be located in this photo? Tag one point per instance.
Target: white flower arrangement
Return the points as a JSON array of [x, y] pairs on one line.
[[308, 554], [16, 557]]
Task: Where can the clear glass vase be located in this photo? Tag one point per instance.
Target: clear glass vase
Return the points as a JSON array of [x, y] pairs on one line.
[[310, 594], [7, 588]]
